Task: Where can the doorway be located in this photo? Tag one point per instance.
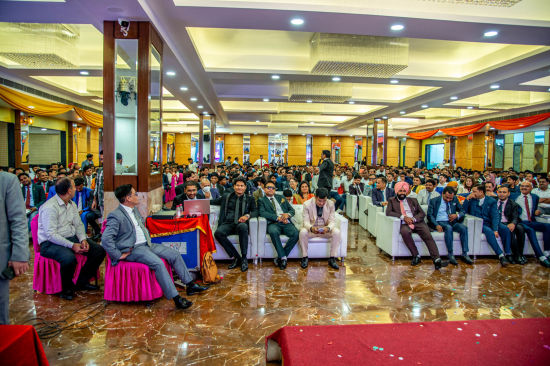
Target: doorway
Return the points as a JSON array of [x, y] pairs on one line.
[[434, 155]]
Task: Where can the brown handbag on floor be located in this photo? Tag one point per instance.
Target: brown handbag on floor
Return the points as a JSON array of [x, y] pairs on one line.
[[209, 270]]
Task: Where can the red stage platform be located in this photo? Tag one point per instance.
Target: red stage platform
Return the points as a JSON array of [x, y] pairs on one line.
[[476, 342]]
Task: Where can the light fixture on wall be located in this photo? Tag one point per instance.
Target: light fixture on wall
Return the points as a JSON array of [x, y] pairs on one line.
[[27, 120]]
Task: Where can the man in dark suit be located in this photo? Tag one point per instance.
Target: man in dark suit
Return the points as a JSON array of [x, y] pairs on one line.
[[83, 199], [278, 213], [235, 211], [445, 215], [326, 171], [477, 204], [509, 216], [391, 180], [419, 164], [190, 193], [381, 194], [412, 220], [33, 195], [357, 188], [529, 210], [214, 179]]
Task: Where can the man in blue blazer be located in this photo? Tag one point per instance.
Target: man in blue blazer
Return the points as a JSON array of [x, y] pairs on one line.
[[445, 215], [529, 203], [83, 199], [278, 213], [479, 205], [381, 194]]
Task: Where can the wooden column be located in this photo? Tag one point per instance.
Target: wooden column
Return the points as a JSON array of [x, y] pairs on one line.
[[108, 106], [385, 146], [70, 142], [212, 141], [375, 143], [201, 140], [17, 137], [452, 148]]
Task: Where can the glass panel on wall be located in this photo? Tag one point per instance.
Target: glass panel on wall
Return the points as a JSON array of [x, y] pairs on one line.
[[499, 152], [539, 151], [44, 146], [246, 148], [309, 144], [518, 151], [25, 122], [170, 147], [194, 147], [358, 148], [380, 151], [206, 138], [434, 155], [278, 148], [219, 149], [155, 155], [126, 106], [336, 146]]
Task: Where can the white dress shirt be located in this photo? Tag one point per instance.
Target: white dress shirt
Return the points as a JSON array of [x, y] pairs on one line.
[[542, 194], [140, 236], [521, 202], [423, 198], [58, 221], [277, 206]]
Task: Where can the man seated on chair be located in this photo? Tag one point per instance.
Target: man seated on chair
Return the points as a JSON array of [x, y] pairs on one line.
[[412, 221], [83, 199], [235, 211], [190, 193], [278, 213], [529, 210], [61, 235], [381, 194], [428, 193], [319, 220], [477, 204], [445, 215], [126, 238], [357, 188]]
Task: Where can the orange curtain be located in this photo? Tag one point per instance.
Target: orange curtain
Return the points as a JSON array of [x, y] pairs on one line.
[[464, 130], [32, 105], [91, 118], [422, 135], [517, 123]]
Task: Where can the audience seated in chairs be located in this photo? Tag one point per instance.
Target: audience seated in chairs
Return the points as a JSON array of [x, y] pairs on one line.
[[304, 194], [61, 234], [126, 238], [235, 211], [412, 220], [278, 213], [319, 221], [381, 194], [83, 199], [33, 195]]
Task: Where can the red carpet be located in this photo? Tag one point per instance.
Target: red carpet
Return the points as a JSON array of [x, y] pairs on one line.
[[511, 342]]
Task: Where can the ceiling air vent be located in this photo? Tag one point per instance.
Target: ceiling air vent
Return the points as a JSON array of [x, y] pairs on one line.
[[301, 91], [355, 55]]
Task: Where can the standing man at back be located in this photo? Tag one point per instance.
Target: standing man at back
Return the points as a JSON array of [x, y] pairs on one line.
[[326, 171]]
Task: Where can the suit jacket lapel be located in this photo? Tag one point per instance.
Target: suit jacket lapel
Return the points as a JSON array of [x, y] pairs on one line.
[[128, 217]]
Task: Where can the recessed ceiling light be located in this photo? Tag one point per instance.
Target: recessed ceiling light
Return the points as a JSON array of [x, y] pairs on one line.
[[266, 99], [296, 21], [397, 27], [193, 99], [31, 107], [43, 129], [492, 33], [84, 73], [311, 122], [231, 133], [495, 86], [394, 81], [470, 107], [377, 119], [385, 117], [402, 112], [205, 113], [303, 134], [548, 89], [171, 73], [309, 101], [257, 121], [184, 88], [424, 106], [351, 102], [454, 97], [255, 133], [336, 78], [326, 134], [200, 107], [275, 77]]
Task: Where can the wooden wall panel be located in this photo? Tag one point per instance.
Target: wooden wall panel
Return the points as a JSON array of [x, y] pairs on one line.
[[82, 142], [259, 145], [393, 151], [464, 152], [319, 143], [94, 144], [233, 146], [478, 151], [297, 150], [182, 148], [347, 150], [411, 152]]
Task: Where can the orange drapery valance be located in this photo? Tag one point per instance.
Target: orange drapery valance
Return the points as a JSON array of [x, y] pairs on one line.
[[517, 123], [422, 135], [464, 130], [91, 118], [41, 107], [32, 105]]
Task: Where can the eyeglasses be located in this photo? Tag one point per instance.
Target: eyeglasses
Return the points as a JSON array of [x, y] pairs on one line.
[[270, 187]]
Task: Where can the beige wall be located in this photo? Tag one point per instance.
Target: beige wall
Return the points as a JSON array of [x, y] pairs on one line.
[[297, 150]]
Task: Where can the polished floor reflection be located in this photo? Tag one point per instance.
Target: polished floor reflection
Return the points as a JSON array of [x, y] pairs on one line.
[[227, 325]]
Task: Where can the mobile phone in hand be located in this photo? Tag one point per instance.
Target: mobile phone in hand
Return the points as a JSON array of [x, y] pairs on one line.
[[8, 273]]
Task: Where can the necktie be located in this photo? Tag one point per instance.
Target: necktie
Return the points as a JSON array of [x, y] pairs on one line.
[[527, 208], [273, 204], [145, 231], [28, 199], [429, 194], [404, 213], [500, 208], [236, 219], [447, 208]]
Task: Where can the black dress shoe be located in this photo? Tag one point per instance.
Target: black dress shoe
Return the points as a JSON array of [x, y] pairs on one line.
[[193, 289], [181, 302], [67, 294], [510, 259], [282, 264], [304, 262], [236, 262], [87, 287], [332, 263], [503, 261], [438, 263], [415, 261], [277, 262], [244, 265], [522, 260], [466, 259], [452, 260], [545, 263]]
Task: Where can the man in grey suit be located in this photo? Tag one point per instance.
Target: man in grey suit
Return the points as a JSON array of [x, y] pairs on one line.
[[126, 238], [14, 240]]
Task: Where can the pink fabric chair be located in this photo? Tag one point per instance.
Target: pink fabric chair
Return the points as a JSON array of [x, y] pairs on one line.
[[47, 275], [130, 281]]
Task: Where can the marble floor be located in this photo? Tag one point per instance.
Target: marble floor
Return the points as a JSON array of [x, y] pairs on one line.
[[228, 324]]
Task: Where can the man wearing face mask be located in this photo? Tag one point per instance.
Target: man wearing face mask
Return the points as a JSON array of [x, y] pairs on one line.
[[412, 221]]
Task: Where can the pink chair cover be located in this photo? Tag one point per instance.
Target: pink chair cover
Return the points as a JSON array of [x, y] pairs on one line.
[[171, 193], [47, 275], [131, 281]]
